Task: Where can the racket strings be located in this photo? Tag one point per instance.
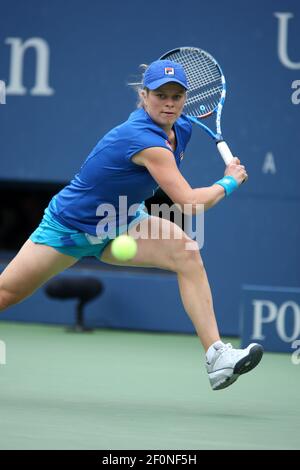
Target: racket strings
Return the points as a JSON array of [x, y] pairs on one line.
[[200, 70], [200, 74], [205, 94], [200, 109], [203, 102]]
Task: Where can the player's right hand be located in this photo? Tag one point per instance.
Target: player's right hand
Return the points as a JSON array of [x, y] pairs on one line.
[[236, 170]]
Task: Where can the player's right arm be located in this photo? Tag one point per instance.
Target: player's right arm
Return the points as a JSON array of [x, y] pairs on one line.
[[162, 166]]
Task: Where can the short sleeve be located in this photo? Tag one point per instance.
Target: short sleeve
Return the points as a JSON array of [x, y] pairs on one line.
[[143, 140]]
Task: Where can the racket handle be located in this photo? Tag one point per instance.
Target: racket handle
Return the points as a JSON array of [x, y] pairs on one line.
[[224, 151]]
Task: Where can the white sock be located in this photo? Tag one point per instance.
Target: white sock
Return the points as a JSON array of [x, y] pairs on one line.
[[212, 349]]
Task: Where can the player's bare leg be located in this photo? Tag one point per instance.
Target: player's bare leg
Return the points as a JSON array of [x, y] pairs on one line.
[[224, 363], [33, 265], [171, 254]]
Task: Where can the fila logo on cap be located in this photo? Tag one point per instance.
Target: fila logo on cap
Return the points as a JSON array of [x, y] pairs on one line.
[[169, 71]]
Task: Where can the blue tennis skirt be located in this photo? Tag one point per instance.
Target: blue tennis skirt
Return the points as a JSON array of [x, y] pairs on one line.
[[73, 242]]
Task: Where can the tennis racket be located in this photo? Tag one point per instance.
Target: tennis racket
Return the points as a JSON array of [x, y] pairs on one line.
[[207, 91]]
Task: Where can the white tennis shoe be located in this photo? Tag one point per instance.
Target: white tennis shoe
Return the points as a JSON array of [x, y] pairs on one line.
[[226, 364]]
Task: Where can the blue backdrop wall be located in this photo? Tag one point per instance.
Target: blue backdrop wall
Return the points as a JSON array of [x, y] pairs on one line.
[[70, 87]]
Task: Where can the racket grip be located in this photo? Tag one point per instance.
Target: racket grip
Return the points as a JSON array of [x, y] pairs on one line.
[[225, 151]]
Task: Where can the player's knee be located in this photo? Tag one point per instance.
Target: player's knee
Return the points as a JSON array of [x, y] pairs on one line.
[[186, 254]]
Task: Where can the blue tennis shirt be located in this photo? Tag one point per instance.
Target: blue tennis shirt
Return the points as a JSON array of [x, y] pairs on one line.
[[108, 172]]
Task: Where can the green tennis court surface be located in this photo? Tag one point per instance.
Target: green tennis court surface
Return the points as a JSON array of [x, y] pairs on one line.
[[130, 390]]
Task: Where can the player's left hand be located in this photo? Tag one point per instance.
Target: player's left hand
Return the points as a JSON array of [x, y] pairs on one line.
[[237, 170]]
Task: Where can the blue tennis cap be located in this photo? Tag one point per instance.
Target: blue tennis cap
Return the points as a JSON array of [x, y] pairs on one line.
[[164, 71]]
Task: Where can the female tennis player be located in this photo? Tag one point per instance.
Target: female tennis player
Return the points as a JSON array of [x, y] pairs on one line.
[[131, 161]]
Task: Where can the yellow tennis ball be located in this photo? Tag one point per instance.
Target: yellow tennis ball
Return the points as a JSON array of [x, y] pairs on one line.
[[124, 247]]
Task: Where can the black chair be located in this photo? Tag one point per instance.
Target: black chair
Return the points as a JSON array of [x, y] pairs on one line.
[[83, 288]]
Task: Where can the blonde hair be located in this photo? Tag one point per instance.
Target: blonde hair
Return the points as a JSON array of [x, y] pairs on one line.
[[138, 87]]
